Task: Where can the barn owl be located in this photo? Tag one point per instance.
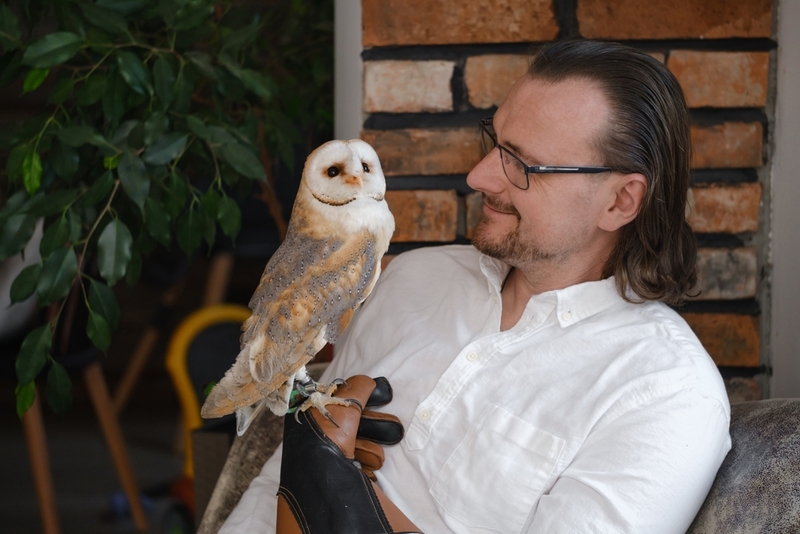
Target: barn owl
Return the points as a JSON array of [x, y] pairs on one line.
[[328, 264]]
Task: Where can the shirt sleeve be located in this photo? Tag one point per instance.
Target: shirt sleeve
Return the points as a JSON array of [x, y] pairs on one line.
[[649, 470]]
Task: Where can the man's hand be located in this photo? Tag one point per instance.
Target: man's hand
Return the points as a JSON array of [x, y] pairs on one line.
[[326, 469]]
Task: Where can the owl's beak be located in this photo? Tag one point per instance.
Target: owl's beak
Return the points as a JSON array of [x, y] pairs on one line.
[[354, 180]]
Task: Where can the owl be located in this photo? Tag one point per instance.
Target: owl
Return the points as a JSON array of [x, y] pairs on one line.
[[328, 264]]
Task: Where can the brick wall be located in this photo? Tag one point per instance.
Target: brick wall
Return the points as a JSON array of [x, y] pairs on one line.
[[431, 69]]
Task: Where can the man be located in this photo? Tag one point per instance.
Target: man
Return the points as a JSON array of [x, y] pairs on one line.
[[543, 383]]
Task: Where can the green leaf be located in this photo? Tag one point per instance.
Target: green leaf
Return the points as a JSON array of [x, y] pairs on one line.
[[239, 38], [156, 221], [75, 230], [202, 61], [122, 134], [115, 94], [59, 388], [111, 162], [99, 190], [52, 49], [58, 272], [13, 205], [104, 19], [243, 161], [229, 217], [65, 159], [14, 162], [92, 89], [9, 29], [155, 126], [198, 127], [52, 203], [220, 136], [55, 237], [32, 172], [164, 80], [33, 353], [165, 149], [177, 193], [183, 94], [192, 14], [61, 91], [210, 202], [260, 84], [24, 284], [26, 394], [134, 269], [15, 233], [114, 251], [133, 175], [34, 79], [134, 73], [191, 230], [98, 331], [103, 301], [76, 136], [126, 7]]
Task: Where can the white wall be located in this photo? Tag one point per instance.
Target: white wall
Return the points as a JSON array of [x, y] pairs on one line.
[[785, 247], [347, 86]]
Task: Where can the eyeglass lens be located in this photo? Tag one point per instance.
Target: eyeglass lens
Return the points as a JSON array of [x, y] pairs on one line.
[[513, 167]]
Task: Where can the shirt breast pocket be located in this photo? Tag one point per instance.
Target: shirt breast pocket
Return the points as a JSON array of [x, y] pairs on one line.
[[497, 473]]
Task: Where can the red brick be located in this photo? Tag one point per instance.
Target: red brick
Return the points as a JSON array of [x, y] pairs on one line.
[[726, 274], [741, 389], [666, 19], [411, 22], [424, 215], [408, 86], [488, 78], [729, 145], [426, 151], [721, 79], [725, 209], [731, 340]]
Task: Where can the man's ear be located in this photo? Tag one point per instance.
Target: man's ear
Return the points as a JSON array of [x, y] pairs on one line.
[[630, 191]]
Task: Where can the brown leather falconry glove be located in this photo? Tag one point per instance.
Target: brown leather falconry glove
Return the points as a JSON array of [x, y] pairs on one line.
[[326, 471]]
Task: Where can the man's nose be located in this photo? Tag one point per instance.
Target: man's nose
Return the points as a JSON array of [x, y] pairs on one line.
[[488, 174]]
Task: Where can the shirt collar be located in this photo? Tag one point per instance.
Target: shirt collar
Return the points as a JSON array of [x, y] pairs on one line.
[[574, 303]]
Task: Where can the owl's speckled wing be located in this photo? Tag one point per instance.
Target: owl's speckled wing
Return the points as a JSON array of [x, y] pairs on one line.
[[307, 295]]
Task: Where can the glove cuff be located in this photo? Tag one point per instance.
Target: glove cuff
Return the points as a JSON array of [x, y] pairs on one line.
[[322, 491]]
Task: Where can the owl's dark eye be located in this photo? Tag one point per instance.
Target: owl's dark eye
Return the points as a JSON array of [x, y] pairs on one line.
[[366, 167], [333, 171]]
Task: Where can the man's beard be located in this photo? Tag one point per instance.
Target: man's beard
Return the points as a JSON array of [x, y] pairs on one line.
[[513, 248]]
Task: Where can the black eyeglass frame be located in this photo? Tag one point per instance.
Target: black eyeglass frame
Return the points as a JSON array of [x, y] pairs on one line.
[[486, 123]]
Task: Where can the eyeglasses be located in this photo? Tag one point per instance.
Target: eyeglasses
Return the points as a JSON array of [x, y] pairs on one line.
[[517, 172]]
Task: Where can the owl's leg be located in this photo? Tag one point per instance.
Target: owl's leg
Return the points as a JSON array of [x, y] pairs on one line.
[[319, 400]]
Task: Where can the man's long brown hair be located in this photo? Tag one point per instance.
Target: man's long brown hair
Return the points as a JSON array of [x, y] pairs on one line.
[[648, 133]]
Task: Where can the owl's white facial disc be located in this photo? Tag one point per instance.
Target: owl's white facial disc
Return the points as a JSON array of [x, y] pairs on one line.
[[340, 172]]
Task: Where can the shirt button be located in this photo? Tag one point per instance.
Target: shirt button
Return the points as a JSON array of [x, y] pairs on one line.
[[425, 415], [472, 356], [566, 315]]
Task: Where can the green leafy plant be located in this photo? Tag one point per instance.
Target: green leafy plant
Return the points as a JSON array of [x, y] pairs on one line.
[[147, 100]]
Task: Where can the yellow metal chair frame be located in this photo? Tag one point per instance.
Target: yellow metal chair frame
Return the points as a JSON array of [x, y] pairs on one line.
[[176, 365]]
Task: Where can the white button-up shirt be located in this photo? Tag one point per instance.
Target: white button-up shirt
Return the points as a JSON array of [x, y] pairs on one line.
[[591, 414]]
